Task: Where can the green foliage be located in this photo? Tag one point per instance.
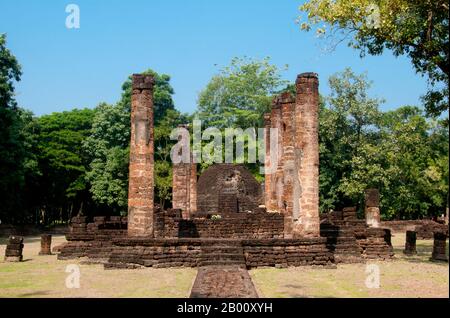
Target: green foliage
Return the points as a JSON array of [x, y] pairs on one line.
[[400, 152], [12, 150], [62, 162], [240, 94], [416, 28]]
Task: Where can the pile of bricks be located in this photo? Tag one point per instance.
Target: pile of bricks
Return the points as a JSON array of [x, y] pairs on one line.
[[14, 249]]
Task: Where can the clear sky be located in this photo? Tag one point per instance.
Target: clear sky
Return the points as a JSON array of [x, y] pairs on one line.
[[188, 39]]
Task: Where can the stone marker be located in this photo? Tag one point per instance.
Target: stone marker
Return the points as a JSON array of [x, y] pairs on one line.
[[14, 248], [439, 245], [46, 244], [410, 244]]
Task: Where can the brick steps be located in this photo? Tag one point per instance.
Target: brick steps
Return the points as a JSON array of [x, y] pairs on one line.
[[222, 253]]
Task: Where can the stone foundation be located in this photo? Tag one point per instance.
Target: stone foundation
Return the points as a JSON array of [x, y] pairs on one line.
[[134, 253]]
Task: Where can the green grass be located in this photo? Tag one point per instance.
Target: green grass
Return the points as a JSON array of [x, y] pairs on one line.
[[405, 276], [45, 276]]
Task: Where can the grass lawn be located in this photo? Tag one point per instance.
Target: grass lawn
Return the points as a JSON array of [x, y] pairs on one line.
[[402, 277], [45, 276]]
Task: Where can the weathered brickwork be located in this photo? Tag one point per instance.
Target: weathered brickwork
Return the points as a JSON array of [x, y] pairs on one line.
[[132, 253], [372, 207], [293, 188], [141, 178], [347, 234], [239, 226], [46, 244], [14, 249], [184, 180], [410, 243], [227, 188], [439, 247]]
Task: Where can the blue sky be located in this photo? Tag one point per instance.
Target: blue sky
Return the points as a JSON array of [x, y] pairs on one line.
[[189, 40]]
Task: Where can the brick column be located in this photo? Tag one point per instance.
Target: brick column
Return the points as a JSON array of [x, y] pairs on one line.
[[275, 184], [410, 243], [141, 179], [372, 207], [267, 175], [306, 152], [184, 188], [287, 163], [46, 244], [439, 247]]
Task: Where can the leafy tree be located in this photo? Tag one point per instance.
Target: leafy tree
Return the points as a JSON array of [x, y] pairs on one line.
[[416, 28], [347, 118], [12, 151], [63, 163], [240, 94]]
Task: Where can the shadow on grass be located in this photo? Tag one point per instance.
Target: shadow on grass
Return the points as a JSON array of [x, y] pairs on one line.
[[33, 294]]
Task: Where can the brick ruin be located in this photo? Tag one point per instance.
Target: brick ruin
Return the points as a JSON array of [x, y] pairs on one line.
[[280, 227]]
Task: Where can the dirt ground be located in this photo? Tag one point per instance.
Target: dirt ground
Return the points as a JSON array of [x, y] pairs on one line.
[[45, 276]]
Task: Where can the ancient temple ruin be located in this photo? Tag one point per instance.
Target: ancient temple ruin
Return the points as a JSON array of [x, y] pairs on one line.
[[225, 216]]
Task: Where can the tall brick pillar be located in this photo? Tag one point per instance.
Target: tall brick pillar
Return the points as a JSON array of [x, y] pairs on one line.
[[267, 175], [287, 162], [141, 179], [306, 154], [275, 183], [184, 188], [372, 207]]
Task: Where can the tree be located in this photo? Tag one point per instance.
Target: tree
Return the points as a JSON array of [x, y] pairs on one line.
[[12, 151], [63, 163], [416, 28], [347, 118], [240, 94]]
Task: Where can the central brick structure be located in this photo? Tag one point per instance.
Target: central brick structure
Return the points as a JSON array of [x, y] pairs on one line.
[[286, 232], [141, 179]]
